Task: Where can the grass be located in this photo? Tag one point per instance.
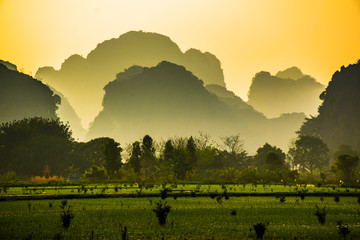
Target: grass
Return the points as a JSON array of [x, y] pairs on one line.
[[89, 190], [194, 218]]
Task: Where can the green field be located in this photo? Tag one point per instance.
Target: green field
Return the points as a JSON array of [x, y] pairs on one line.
[[151, 189], [189, 218]]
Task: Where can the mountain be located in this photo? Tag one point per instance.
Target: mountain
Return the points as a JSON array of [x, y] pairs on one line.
[[64, 110], [67, 114], [289, 91], [22, 96], [82, 79], [228, 97], [290, 73], [8, 65], [338, 121], [167, 100]]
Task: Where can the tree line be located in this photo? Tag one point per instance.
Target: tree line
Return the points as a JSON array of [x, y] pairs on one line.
[[28, 145]]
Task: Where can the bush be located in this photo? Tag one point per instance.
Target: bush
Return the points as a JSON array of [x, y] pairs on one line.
[[343, 229], [164, 192], [260, 229], [66, 214], [320, 214], [161, 210]]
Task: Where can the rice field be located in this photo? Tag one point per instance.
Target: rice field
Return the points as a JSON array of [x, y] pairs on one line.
[[189, 218]]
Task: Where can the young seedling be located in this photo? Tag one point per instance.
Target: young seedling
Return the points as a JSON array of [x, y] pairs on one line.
[[66, 214], [233, 212], [219, 199], [320, 214], [123, 233], [336, 198], [161, 210], [343, 229]]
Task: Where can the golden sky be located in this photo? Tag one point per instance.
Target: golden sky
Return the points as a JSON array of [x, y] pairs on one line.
[[248, 36]]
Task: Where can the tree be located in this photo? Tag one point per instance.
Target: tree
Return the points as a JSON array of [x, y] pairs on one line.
[[112, 158], [168, 153], [180, 166], [344, 149], [135, 158], [236, 156], [147, 155], [28, 145], [274, 161], [263, 152], [309, 153], [233, 143], [90, 153], [191, 153], [346, 165]]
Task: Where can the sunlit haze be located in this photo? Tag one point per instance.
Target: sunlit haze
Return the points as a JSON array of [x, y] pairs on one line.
[[247, 36]]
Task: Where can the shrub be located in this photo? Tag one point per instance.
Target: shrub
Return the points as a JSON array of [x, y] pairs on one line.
[[320, 214], [260, 229], [233, 212], [66, 214], [219, 199], [343, 229], [336, 198], [161, 210], [164, 192], [123, 233]]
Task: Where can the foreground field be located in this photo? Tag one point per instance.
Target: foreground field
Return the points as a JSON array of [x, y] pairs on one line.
[[189, 218]]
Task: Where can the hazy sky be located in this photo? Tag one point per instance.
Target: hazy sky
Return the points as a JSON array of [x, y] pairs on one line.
[[248, 36]]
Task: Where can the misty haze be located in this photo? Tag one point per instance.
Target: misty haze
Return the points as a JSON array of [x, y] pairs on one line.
[[231, 120]]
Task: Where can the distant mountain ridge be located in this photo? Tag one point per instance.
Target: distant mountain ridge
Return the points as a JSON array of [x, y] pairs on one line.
[[286, 92], [168, 100], [338, 121], [22, 96], [21, 88], [86, 77]]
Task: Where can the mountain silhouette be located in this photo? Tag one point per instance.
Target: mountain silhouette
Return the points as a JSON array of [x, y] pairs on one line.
[[339, 115], [228, 97], [67, 114], [82, 79], [22, 96], [64, 110], [168, 100], [290, 73], [289, 91], [8, 65]]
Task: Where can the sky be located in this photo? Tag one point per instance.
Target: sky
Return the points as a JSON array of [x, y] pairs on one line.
[[248, 36]]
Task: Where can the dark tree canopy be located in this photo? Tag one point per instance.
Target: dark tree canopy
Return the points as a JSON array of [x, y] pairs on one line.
[[147, 155], [28, 145], [346, 165], [169, 153], [309, 153], [135, 158], [112, 158], [274, 161], [339, 115], [262, 154]]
